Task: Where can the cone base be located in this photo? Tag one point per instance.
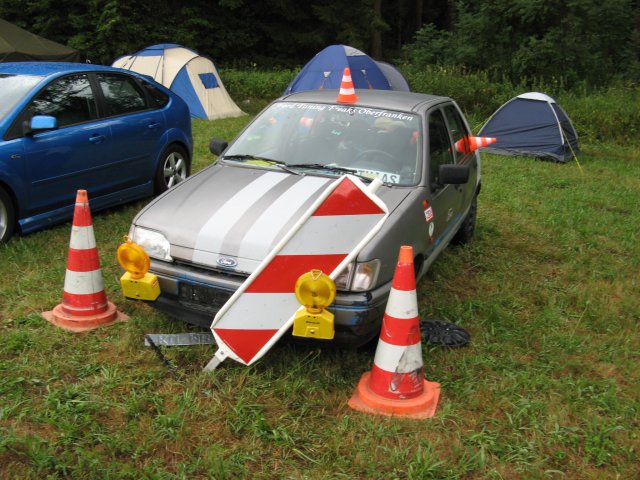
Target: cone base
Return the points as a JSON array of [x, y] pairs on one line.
[[423, 406], [76, 323]]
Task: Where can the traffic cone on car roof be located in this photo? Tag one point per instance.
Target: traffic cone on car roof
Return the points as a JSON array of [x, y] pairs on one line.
[[471, 144], [396, 385], [84, 303], [347, 93]]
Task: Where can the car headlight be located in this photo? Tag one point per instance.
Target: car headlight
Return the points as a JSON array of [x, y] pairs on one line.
[[154, 243], [358, 277]]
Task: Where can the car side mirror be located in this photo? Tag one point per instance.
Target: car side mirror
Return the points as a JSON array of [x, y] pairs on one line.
[[40, 123], [449, 174], [217, 146]]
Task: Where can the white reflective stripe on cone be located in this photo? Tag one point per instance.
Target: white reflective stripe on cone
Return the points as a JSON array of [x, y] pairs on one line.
[[396, 358], [402, 304], [83, 283], [82, 238]]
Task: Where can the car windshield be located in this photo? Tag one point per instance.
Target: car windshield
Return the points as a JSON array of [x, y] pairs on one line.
[[12, 89], [334, 139]]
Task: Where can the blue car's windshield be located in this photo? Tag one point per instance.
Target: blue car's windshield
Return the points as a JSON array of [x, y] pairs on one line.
[[307, 136], [12, 89]]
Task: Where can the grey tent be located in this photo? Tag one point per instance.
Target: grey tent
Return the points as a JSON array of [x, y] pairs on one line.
[[532, 124], [19, 45], [395, 77]]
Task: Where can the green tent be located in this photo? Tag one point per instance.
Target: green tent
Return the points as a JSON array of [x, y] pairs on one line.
[[18, 45]]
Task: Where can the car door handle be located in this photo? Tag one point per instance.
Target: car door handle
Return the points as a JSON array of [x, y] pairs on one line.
[[152, 126], [98, 138]]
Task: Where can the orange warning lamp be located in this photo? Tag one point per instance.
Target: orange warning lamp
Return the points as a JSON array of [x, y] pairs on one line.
[[137, 282], [315, 291]]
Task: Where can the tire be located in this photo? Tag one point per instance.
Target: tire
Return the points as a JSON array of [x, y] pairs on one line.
[[468, 226], [7, 216], [174, 167]]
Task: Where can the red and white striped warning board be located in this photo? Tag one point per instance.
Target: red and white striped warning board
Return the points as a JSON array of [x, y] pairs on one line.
[[327, 237]]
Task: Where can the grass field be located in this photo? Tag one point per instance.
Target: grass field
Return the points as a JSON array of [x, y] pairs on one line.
[[548, 387]]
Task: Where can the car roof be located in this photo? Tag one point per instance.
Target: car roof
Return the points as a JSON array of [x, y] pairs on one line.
[[46, 69], [383, 99]]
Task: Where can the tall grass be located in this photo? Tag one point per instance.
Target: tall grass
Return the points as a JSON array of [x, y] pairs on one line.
[[548, 387]]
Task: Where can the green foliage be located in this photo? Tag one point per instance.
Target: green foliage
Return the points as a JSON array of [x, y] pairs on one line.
[[574, 41], [251, 83]]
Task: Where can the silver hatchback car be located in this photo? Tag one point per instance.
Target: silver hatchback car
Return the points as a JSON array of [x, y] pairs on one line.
[[210, 232]]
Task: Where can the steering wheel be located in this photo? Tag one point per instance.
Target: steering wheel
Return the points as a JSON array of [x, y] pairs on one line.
[[375, 159]]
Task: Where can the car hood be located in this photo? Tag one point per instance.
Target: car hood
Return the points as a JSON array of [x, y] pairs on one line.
[[231, 217]]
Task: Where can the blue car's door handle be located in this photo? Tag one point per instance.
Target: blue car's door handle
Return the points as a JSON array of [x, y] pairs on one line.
[[98, 138], [151, 126]]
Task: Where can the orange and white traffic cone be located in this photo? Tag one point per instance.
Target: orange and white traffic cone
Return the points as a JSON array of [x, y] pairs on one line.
[[84, 303], [347, 93], [471, 144], [396, 385]]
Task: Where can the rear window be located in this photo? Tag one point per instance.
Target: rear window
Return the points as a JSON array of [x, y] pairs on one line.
[[158, 98], [121, 95]]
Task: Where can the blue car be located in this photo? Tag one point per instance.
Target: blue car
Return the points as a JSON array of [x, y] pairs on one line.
[[65, 126]]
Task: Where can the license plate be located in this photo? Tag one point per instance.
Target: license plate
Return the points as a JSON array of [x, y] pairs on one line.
[[202, 297]]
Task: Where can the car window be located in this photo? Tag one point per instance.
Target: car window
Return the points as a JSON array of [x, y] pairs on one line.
[[121, 95], [70, 99], [439, 147], [456, 128], [374, 143], [158, 97]]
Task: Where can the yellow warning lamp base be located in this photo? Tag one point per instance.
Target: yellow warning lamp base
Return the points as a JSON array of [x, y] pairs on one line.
[[137, 282], [310, 325], [145, 288], [315, 291]]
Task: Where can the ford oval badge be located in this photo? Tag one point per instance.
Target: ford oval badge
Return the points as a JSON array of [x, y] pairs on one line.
[[227, 262]]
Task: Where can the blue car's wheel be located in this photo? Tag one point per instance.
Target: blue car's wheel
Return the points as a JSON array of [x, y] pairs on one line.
[[173, 168], [7, 216]]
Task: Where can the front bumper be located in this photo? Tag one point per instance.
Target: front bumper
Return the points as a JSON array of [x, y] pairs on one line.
[[194, 295]]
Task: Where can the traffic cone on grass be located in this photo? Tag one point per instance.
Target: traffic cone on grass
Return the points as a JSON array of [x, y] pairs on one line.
[[396, 385], [347, 93], [84, 303]]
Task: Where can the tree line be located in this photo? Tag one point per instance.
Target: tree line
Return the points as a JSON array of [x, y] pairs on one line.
[[590, 41]]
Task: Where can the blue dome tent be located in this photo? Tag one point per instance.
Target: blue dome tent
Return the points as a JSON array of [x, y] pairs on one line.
[[532, 124], [324, 71]]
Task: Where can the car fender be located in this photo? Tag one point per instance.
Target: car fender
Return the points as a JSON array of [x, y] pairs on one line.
[[171, 136], [12, 178], [405, 225]]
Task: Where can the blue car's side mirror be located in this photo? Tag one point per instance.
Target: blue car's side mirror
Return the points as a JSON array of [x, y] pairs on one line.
[[40, 123], [43, 122]]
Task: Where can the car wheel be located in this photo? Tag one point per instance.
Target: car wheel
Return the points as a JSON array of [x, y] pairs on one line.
[[468, 226], [173, 168], [7, 216]]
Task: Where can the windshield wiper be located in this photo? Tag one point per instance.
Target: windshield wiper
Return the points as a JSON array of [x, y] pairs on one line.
[[246, 158], [331, 168]]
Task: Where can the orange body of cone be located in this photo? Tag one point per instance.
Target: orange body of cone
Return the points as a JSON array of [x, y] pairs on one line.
[[471, 144], [347, 93], [396, 384], [84, 303]]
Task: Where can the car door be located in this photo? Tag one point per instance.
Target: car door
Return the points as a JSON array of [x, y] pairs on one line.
[[59, 162], [443, 214], [136, 125]]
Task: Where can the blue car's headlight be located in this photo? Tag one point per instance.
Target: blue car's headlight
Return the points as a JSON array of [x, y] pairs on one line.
[[154, 243]]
